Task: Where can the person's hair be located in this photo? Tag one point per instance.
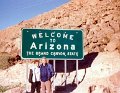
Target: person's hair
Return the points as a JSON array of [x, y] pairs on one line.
[[35, 61], [45, 59]]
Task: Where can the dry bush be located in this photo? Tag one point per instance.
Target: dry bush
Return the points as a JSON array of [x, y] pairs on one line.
[[4, 60]]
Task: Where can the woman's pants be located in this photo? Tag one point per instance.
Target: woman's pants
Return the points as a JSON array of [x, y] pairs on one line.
[[35, 86]]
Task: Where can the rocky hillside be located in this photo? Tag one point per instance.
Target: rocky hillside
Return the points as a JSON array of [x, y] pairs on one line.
[[100, 20], [101, 77]]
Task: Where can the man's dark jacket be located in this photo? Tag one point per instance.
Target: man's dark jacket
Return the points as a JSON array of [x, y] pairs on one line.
[[50, 72]]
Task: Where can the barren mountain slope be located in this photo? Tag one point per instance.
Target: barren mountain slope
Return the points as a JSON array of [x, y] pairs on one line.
[[99, 19]]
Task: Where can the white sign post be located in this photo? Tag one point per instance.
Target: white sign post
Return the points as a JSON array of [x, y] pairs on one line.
[[77, 72], [54, 75], [65, 66], [26, 75]]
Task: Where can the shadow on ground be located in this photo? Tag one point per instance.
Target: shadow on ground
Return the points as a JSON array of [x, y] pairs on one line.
[[71, 66], [65, 89]]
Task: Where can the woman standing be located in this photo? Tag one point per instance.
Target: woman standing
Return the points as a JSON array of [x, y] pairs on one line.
[[34, 77]]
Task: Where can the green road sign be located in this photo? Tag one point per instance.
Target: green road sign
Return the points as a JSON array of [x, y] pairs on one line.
[[52, 44]]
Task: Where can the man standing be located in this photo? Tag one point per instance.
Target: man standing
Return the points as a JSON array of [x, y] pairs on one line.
[[47, 73]]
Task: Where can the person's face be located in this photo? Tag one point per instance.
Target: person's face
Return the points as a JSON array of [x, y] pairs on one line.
[[36, 63], [44, 61]]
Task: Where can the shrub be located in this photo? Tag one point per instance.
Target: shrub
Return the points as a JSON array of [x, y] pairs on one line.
[[4, 60], [3, 89]]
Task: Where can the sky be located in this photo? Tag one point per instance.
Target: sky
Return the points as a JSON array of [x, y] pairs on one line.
[[14, 11]]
